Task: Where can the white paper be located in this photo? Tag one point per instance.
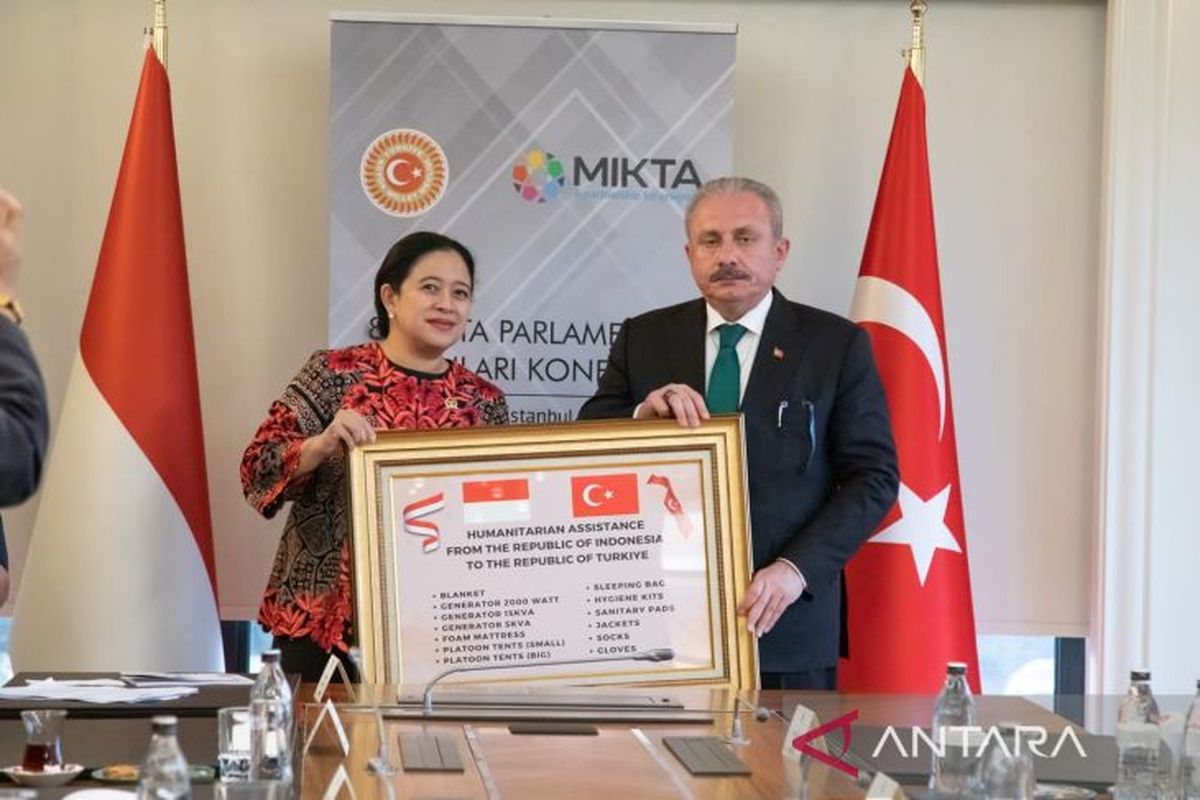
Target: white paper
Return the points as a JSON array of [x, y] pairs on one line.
[[606, 570], [92, 692], [148, 679]]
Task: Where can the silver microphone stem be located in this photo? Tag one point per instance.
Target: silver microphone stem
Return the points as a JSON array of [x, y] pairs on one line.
[[737, 735], [657, 654]]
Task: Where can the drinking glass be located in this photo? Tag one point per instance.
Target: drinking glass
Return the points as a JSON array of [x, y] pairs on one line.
[[43, 739], [233, 743]]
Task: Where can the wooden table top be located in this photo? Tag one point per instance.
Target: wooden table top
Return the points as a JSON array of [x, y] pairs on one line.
[[624, 759]]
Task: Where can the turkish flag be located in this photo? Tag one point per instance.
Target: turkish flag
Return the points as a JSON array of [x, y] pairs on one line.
[[604, 495], [909, 588], [120, 573]]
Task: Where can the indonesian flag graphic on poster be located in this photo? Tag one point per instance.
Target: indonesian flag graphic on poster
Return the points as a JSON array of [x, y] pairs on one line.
[[488, 502], [120, 572], [909, 588], [604, 495]]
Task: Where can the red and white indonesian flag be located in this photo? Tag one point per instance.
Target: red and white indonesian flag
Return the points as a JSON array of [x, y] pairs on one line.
[[120, 572], [489, 502], [909, 587]]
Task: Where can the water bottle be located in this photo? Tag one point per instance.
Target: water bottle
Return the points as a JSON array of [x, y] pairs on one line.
[[1006, 769], [164, 771], [271, 683], [1189, 753], [271, 722], [953, 713], [1138, 741]]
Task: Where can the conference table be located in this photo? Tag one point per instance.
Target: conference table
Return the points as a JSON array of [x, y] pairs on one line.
[[525, 743]]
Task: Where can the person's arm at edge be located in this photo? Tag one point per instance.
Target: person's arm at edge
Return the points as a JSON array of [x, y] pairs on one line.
[[24, 420]]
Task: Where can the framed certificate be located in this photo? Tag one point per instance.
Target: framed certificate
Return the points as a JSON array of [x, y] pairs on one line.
[[503, 548]]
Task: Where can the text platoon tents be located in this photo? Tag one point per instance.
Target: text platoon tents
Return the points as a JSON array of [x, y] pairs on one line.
[[561, 153]]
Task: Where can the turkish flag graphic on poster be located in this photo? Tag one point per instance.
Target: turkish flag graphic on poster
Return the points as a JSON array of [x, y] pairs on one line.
[[909, 588], [604, 495]]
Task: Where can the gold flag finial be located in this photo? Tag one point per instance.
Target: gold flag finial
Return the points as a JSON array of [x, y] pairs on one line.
[[916, 54], [158, 34]]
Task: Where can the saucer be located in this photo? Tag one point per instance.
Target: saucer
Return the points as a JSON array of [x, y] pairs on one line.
[[128, 773], [53, 776]]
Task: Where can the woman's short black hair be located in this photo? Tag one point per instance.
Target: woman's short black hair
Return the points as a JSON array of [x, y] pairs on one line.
[[398, 263]]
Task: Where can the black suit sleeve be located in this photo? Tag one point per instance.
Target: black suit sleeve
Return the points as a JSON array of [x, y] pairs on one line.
[[866, 474], [24, 424], [614, 396]]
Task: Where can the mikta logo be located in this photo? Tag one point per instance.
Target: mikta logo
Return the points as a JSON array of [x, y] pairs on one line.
[[404, 172], [538, 177], [618, 171]]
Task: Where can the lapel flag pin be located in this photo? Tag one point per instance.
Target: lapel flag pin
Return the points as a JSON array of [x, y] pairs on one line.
[[777, 354]]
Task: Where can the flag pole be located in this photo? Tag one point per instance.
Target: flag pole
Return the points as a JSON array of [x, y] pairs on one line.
[[916, 54], [158, 34]]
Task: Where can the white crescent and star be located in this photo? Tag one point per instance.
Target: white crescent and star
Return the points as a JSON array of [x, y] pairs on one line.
[[586, 494], [412, 172], [881, 301], [922, 527]]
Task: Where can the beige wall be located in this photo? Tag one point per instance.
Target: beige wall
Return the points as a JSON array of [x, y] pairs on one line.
[[1015, 102]]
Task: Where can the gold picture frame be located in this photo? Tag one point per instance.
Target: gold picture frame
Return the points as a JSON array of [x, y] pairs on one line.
[[498, 549]]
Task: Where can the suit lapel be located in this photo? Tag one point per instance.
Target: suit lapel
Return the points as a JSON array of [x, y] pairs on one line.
[[687, 352], [777, 358]]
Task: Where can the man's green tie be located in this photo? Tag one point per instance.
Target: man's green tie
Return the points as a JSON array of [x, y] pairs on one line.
[[725, 382]]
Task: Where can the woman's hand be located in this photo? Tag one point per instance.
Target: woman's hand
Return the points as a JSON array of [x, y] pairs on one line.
[[348, 429]]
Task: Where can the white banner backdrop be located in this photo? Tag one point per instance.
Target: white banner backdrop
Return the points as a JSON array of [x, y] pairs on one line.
[[561, 153]]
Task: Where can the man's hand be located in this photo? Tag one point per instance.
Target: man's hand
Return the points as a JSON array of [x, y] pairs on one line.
[[10, 257], [772, 589], [676, 400]]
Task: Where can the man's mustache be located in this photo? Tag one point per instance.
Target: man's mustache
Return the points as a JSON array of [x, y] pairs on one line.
[[728, 272]]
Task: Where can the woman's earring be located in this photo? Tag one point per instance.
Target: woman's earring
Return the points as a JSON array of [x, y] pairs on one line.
[[391, 315]]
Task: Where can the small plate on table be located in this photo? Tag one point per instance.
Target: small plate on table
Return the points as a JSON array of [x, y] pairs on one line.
[[129, 773], [116, 773], [50, 776]]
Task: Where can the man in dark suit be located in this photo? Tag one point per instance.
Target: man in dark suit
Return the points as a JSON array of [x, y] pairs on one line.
[[821, 461], [24, 426]]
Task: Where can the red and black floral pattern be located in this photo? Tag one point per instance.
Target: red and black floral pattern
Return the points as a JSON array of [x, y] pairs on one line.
[[308, 593]]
